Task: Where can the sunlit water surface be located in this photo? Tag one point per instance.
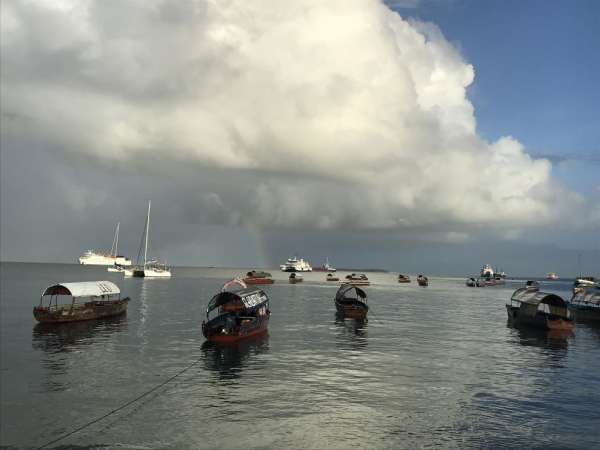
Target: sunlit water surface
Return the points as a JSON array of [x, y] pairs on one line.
[[432, 367]]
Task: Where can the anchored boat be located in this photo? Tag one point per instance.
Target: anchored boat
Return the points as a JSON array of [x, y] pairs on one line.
[[88, 300], [241, 313], [258, 277], [331, 277], [422, 280], [533, 308], [153, 268], [295, 278], [585, 304], [351, 301], [403, 278]]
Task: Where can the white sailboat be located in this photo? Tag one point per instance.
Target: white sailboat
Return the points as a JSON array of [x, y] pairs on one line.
[[151, 269]]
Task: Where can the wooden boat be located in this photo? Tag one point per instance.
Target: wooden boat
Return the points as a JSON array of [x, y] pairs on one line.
[[88, 300], [471, 282], [585, 305], [258, 277], [241, 313], [331, 277], [532, 285], [295, 278], [422, 280], [403, 278], [351, 301], [533, 308], [354, 279]]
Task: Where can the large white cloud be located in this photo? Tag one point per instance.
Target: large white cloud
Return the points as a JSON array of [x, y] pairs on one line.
[[339, 113]]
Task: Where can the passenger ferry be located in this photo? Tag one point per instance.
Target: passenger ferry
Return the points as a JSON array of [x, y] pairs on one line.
[[112, 258], [294, 264]]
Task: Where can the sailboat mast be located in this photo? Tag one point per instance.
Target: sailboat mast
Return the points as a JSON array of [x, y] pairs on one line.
[[117, 239], [113, 249], [147, 231]]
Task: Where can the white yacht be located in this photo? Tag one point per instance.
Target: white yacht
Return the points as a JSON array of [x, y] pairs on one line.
[[150, 269], [294, 264], [94, 258]]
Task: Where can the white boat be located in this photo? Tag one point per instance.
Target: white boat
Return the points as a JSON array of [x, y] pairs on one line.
[[294, 264], [150, 269], [487, 271], [325, 267], [551, 276], [94, 258], [115, 268]]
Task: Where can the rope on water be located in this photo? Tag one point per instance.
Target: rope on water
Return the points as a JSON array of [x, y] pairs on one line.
[[139, 397]]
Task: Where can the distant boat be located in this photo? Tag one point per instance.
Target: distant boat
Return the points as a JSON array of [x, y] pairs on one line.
[[357, 280], [351, 301], [294, 264], [471, 282], [422, 280], [258, 277], [325, 267], [116, 268], [403, 278], [94, 258], [295, 278], [487, 271], [152, 269], [88, 300], [551, 276], [331, 277]]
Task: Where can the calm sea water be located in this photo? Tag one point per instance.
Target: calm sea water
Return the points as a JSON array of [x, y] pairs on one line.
[[432, 367]]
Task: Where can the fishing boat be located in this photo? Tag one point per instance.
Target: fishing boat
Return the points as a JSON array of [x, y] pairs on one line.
[[153, 268], [471, 282], [258, 277], [585, 304], [294, 264], [403, 278], [242, 312], [85, 301], [331, 277], [351, 301], [295, 278], [325, 267], [533, 308], [422, 280], [551, 276], [357, 280], [95, 258]]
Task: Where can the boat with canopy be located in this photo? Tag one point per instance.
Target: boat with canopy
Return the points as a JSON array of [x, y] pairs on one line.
[[85, 301], [241, 312], [585, 304], [351, 301], [258, 277], [533, 308]]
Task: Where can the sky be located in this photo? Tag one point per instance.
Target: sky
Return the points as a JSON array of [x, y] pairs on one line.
[[414, 136]]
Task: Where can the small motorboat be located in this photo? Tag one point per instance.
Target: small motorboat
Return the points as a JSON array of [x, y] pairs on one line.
[[533, 308], [88, 300], [295, 278], [471, 282], [258, 277], [351, 301], [585, 304], [357, 280], [422, 280], [242, 312], [331, 277], [403, 278], [532, 285]]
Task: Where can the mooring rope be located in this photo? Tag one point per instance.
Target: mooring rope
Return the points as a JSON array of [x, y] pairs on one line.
[[139, 397]]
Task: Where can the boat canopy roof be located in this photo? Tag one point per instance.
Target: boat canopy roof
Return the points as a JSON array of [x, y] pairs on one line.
[[347, 289], [83, 289], [591, 296], [532, 297], [250, 298]]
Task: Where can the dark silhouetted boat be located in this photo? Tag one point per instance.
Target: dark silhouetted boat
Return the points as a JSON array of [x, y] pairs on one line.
[[422, 280], [533, 308], [351, 301], [88, 300], [471, 282], [295, 278], [331, 277], [242, 312]]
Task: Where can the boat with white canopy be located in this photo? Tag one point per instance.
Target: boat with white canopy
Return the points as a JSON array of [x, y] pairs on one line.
[[84, 301]]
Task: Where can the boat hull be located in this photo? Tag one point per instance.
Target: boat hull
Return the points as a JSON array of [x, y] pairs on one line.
[[87, 311], [244, 331], [423, 282], [255, 280], [352, 309], [403, 281], [540, 320], [295, 280], [148, 273]]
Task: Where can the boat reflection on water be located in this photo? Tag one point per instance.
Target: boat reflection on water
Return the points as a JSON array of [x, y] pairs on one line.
[[554, 340], [228, 360], [71, 336], [351, 332]]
